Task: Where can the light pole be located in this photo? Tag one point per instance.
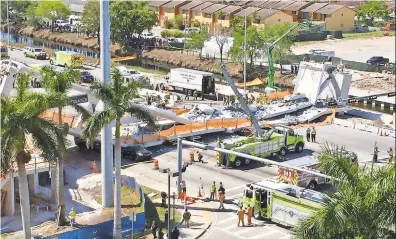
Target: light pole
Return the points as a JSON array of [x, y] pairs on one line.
[[106, 134], [244, 59], [8, 26]]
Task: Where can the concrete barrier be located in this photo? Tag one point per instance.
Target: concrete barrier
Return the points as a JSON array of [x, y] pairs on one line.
[[344, 123], [367, 128], [387, 132]]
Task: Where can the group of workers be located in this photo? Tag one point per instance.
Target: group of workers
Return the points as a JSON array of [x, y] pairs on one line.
[[150, 99], [221, 193], [193, 93], [390, 154], [232, 100], [241, 216], [157, 232], [311, 134]]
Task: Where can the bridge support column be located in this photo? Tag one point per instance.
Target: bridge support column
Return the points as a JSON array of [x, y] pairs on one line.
[[391, 107], [364, 102], [373, 103], [382, 105]]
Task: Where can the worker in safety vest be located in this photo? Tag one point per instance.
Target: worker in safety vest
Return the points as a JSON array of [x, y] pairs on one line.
[[72, 216], [249, 214], [313, 135], [390, 154], [241, 217], [213, 191], [195, 94]]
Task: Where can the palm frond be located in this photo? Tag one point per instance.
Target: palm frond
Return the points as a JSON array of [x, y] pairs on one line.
[[95, 123], [22, 84], [85, 113], [103, 92]]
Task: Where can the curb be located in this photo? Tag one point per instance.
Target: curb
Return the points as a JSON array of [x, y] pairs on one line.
[[203, 232]]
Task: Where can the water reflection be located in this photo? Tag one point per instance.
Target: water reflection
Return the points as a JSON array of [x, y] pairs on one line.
[[47, 44]]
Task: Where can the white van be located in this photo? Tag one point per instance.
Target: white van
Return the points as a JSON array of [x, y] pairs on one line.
[[320, 52]]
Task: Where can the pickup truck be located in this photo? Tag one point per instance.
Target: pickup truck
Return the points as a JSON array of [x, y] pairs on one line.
[[377, 60]]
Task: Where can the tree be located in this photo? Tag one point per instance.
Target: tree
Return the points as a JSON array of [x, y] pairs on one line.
[[222, 36], [30, 15], [130, 18], [179, 22], [196, 40], [117, 96], [91, 18], [57, 84], [373, 9], [254, 44], [17, 9], [20, 121], [283, 47], [362, 207], [52, 10]]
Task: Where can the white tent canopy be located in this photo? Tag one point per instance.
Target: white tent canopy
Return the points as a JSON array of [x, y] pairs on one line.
[[229, 92]]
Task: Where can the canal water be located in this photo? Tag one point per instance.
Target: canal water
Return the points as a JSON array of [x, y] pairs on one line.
[[148, 64]]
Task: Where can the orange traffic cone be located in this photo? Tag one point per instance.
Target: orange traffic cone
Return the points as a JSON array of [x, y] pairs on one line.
[[94, 168], [199, 193], [381, 133]]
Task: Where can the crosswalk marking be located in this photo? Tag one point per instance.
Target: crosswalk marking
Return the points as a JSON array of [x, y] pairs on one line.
[[230, 217], [233, 225], [245, 230], [260, 235]]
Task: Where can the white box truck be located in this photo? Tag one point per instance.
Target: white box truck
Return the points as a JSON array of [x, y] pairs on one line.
[[187, 81]]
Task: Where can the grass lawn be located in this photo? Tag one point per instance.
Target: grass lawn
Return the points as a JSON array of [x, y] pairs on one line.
[[352, 36], [154, 213]]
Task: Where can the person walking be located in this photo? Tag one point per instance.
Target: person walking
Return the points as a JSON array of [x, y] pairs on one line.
[[160, 233], [241, 217], [213, 191], [313, 135], [221, 189], [187, 97], [72, 216], [186, 218], [163, 199], [221, 200], [200, 156], [154, 227], [249, 214], [390, 155], [308, 134], [195, 94]]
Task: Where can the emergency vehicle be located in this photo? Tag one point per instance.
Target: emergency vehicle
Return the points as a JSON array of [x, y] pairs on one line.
[[281, 203]]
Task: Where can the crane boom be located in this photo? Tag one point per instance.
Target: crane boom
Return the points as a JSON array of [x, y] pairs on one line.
[[271, 70], [258, 130]]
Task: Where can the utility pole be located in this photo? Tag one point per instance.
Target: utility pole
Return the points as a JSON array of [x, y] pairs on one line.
[[106, 134], [179, 164], [8, 27], [169, 176], [244, 59]]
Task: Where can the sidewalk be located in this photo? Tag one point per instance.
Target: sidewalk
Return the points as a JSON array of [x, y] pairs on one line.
[[202, 217]]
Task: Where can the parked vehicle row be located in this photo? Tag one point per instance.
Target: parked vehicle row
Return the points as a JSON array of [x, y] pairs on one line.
[[135, 152]]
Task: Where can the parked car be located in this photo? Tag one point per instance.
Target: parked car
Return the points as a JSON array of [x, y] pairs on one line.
[[34, 52], [191, 30], [86, 77], [61, 23], [361, 28], [377, 60], [147, 35], [135, 152]]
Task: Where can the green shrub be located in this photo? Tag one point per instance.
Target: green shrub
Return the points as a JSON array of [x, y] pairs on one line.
[[179, 23], [196, 23], [169, 24], [172, 33]]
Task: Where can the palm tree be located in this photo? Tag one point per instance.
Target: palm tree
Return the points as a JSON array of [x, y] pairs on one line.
[[57, 84], [19, 119], [117, 96], [363, 206]]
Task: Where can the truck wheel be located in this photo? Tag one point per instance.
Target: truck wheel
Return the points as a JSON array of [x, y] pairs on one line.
[[312, 185], [283, 151], [238, 162], [51, 62], [247, 161], [299, 147]]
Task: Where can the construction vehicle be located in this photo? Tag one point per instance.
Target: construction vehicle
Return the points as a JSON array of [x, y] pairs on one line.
[[277, 140], [281, 203], [308, 180], [271, 69]]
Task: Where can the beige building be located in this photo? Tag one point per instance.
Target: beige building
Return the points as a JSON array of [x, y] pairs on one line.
[[197, 14], [157, 7], [294, 10], [336, 17], [188, 13], [225, 15], [171, 10], [271, 17]]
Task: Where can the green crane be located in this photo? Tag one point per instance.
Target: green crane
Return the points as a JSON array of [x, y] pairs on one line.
[[271, 70]]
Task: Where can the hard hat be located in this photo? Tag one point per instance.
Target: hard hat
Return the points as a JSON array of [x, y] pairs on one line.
[[72, 209]]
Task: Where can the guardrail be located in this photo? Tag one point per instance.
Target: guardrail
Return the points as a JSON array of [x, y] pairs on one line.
[[382, 131]]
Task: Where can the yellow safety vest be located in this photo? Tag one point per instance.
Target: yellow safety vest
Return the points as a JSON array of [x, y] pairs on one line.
[[213, 188], [72, 214]]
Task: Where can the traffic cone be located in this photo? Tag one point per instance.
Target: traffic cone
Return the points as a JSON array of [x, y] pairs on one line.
[[199, 193], [381, 133]]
